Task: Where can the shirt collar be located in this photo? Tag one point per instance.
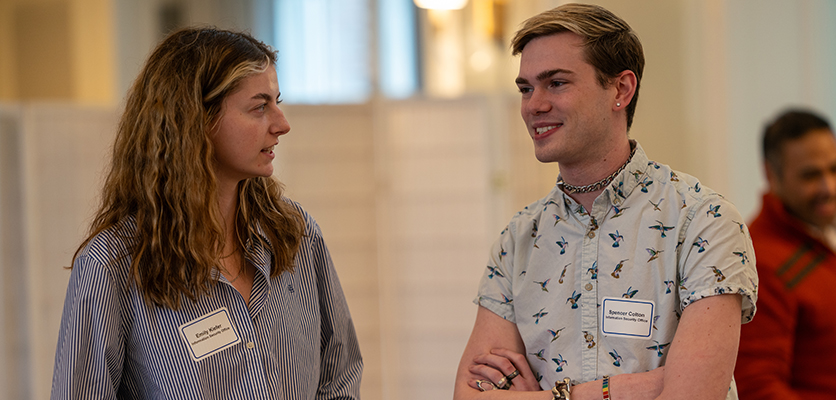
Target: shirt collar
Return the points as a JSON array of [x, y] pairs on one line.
[[615, 193], [627, 180], [259, 250]]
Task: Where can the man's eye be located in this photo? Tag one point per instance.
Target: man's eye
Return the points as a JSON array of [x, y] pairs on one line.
[[557, 83], [811, 176], [524, 90]]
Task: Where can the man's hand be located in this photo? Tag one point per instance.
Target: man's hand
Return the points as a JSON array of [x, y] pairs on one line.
[[500, 364], [478, 362]]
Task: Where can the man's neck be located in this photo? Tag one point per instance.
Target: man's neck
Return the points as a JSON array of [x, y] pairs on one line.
[[594, 171], [597, 166], [586, 199]]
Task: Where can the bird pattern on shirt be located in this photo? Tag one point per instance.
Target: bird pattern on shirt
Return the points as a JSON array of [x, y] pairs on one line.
[[616, 238], [593, 271], [701, 244], [616, 358], [659, 238], [563, 274], [616, 273]]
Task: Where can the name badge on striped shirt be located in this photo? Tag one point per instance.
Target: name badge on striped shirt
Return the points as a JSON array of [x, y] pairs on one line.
[[627, 317], [209, 334]]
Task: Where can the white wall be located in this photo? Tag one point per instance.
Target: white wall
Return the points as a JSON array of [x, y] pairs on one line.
[[51, 156]]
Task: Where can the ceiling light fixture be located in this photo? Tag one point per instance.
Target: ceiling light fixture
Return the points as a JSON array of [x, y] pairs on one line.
[[441, 4]]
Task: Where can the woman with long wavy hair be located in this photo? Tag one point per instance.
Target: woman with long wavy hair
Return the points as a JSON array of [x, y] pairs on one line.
[[198, 279]]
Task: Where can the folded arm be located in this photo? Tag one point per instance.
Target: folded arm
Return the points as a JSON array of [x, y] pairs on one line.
[[495, 349], [493, 332]]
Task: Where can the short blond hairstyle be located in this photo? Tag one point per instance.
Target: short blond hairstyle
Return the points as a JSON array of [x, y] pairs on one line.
[[610, 45]]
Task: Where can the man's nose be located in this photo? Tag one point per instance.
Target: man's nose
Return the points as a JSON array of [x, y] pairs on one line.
[[538, 102], [828, 184]]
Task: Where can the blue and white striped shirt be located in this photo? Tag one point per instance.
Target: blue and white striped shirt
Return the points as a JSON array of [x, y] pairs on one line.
[[296, 340]]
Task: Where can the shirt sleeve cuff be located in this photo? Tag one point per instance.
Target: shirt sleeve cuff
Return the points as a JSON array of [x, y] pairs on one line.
[[747, 306], [506, 311]]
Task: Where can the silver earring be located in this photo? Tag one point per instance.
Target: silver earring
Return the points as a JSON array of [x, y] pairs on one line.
[[618, 104]]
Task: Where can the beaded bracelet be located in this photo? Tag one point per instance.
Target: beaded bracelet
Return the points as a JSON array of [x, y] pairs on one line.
[[605, 386]]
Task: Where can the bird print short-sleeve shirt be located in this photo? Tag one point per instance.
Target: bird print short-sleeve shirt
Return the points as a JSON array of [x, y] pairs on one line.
[[600, 292]]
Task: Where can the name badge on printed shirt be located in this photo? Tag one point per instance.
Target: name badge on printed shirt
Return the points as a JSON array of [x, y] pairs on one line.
[[209, 334], [627, 317]]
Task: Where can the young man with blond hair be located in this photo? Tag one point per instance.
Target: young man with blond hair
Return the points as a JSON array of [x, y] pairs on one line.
[[628, 280]]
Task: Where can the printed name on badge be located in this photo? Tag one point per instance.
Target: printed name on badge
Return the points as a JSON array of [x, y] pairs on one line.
[[627, 317], [209, 334]]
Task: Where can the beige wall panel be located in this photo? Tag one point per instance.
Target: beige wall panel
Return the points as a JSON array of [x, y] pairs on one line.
[[8, 61], [432, 238], [327, 163], [44, 53], [62, 150], [94, 55]]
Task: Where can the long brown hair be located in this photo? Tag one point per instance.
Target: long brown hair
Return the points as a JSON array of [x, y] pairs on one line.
[[162, 168]]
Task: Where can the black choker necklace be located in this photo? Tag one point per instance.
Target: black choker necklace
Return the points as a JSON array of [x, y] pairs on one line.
[[597, 185]]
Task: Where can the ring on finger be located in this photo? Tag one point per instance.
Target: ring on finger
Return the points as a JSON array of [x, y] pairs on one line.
[[504, 383], [489, 385], [513, 375]]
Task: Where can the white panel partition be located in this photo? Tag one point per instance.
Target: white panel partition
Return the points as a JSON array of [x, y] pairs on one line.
[[434, 206], [51, 155]]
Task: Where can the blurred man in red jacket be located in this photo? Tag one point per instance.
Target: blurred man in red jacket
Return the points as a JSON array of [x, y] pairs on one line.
[[788, 350]]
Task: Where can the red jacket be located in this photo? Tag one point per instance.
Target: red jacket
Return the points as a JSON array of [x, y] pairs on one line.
[[788, 351]]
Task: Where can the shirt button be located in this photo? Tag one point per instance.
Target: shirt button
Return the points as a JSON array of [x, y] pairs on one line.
[[250, 345], [591, 234], [588, 286]]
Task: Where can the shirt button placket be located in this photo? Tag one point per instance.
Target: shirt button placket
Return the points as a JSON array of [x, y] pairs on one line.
[[589, 311]]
